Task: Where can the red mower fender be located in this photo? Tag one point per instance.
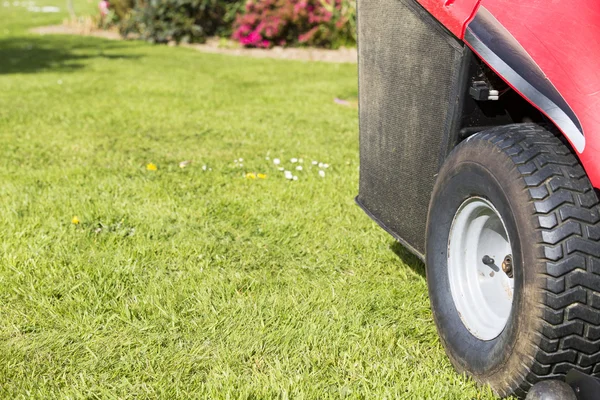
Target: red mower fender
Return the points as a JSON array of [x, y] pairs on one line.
[[548, 51], [562, 38], [453, 14]]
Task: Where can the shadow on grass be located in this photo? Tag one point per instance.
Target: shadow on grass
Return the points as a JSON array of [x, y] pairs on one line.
[[408, 258], [53, 53]]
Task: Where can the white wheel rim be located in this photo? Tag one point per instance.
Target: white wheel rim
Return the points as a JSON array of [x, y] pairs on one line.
[[482, 293]]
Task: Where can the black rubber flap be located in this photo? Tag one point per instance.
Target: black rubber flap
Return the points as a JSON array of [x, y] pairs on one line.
[[408, 69]]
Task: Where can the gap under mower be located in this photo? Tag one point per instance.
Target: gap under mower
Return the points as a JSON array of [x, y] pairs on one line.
[[480, 153]]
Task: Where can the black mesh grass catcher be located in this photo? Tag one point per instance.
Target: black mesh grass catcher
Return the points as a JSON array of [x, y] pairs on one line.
[[409, 73]]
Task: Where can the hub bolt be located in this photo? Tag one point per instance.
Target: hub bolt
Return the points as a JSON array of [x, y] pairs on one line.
[[507, 266]]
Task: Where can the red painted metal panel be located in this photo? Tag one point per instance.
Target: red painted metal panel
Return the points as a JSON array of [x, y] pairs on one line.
[[453, 14], [563, 38]]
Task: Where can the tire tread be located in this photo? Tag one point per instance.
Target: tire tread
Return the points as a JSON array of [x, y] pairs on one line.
[[568, 213]]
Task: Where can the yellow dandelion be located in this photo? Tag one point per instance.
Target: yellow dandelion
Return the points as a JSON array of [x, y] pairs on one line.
[[75, 220], [250, 175], [261, 176], [151, 167]]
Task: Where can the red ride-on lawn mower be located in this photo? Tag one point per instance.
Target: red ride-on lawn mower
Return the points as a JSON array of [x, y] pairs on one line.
[[480, 146]]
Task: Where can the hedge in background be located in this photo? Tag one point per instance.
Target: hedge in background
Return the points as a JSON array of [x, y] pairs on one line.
[[121, 9], [256, 23], [322, 23], [186, 21]]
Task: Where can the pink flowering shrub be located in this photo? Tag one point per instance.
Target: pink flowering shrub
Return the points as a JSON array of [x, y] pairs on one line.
[[323, 23]]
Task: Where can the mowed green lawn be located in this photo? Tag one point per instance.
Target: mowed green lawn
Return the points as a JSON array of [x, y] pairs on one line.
[[192, 282]]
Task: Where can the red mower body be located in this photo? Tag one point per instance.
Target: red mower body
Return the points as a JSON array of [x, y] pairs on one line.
[[548, 51], [479, 126]]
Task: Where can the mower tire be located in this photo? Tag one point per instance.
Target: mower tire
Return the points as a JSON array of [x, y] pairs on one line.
[[513, 259]]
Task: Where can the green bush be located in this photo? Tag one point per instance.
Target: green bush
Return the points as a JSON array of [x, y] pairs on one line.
[[121, 8], [188, 21], [254, 23]]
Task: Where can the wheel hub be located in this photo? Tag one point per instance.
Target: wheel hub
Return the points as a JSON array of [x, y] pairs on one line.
[[481, 290]]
